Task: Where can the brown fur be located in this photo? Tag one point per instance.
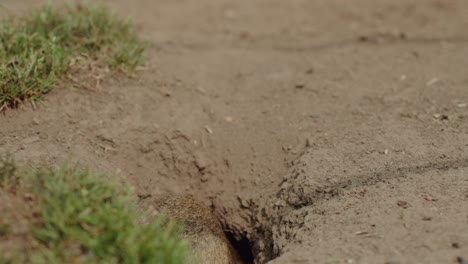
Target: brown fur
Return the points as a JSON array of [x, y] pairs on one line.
[[209, 244]]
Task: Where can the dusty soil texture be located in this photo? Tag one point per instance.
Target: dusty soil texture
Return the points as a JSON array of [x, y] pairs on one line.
[[319, 130], [17, 215]]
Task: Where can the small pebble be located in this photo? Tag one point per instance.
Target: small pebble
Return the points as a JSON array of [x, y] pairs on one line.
[[208, 130], [432, 82], [403, 204], [201, 161], [441, 117], [204, 177]]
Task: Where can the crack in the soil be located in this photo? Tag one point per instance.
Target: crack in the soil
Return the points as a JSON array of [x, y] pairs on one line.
[[270, 217], [381, 39], [370, 179]]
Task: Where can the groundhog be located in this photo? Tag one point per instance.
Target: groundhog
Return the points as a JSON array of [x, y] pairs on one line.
[[209, 243]]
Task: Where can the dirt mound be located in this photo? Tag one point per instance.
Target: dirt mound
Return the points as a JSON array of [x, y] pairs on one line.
[[316, 130]]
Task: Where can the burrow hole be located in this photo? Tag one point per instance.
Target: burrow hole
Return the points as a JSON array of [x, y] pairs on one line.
[[243, 247]]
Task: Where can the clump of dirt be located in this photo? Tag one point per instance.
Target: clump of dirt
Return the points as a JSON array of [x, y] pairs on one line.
[[318, 131]]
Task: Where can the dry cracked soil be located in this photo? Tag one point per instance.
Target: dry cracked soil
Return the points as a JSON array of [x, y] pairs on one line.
[[318, 131]]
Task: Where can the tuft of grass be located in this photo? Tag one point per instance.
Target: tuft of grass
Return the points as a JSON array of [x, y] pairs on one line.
[[89, 218], [35, 52], [8, 173]]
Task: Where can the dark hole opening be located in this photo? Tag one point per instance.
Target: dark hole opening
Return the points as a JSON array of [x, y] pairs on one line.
[[242, 246]]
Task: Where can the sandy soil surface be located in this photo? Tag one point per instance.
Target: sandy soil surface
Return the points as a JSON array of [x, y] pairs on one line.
[[318, 130]]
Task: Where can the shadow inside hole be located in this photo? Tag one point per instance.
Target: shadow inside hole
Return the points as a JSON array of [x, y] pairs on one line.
[[242, 247]]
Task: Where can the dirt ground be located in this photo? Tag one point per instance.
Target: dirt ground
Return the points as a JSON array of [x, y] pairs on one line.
[[317, 130]]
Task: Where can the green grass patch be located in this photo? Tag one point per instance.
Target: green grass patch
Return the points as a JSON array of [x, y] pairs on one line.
[[36, 51], [89, 218], [8, 173]]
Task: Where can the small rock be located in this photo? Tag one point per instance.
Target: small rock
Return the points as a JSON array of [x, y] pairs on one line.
[[142, 196], [31, 140], [441, 117], [209, 130], [287, 148], [204, 177], [427, 218], [455, 245], [300, 86], [201, 161], [244, 203], [403, 204], [392, 262], [35, 121], [432, 82], [430, 198], [28, 197], [462, 105], [228, 119], [360, 233], [201, 90], [106, 138], [280, 203], [407, 115], [166, 92], [145, 149]]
